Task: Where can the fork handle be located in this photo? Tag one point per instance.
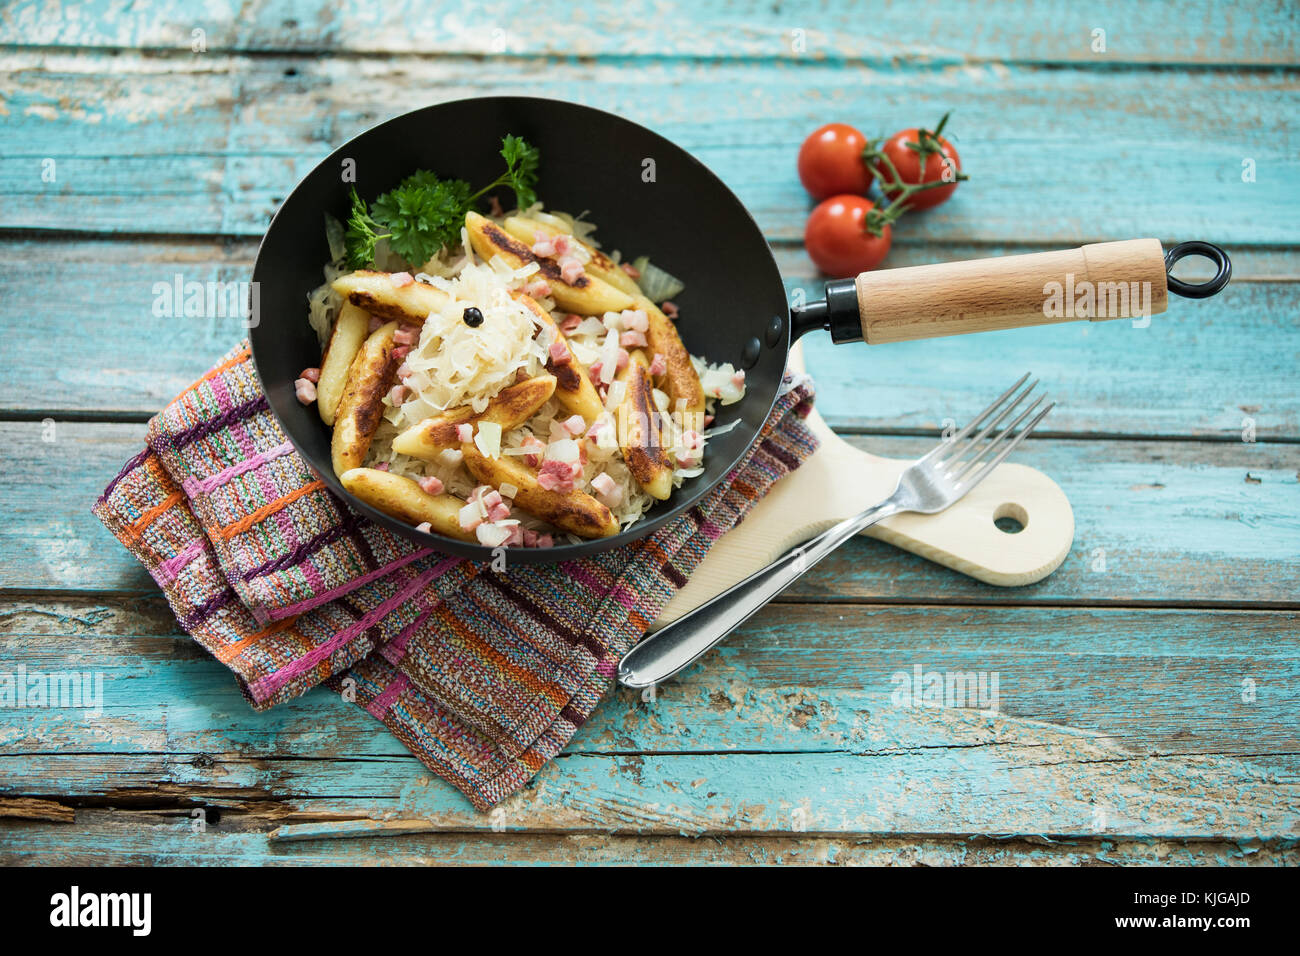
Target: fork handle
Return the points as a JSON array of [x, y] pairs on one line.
[[686, 640], [978, 295]]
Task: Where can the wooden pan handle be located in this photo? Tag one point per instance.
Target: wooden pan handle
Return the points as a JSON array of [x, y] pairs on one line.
[[1104, 280]]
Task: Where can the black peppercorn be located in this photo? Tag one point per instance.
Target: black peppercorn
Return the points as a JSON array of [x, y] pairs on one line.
[[473, 317]]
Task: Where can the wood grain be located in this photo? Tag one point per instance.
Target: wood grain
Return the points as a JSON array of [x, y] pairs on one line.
[[209, 143], [118, 360], [1123, 734], [126, 837], [737, 744], [1011, 292], [1191, 32], [1156, 522]]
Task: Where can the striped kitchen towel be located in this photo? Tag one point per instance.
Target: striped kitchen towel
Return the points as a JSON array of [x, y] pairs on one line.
[[483, 675]]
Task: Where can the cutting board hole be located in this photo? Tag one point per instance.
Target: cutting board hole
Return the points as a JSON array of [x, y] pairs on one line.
[[1011, 518]]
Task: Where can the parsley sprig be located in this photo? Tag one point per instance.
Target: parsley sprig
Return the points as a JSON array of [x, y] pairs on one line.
[[424, 213]]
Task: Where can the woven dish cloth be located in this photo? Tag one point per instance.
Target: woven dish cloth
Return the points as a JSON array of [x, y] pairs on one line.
[[483, 675]]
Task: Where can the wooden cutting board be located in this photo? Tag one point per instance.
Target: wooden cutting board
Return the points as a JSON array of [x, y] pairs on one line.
[[839, 480]]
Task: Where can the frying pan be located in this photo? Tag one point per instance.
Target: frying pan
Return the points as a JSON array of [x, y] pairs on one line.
[[650, 197]]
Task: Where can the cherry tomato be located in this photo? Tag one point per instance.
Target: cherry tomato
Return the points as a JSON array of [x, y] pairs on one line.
[[837, 239], [830, 162], [908, 163]]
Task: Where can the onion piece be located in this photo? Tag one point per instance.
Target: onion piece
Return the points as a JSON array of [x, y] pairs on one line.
[[655, 282]]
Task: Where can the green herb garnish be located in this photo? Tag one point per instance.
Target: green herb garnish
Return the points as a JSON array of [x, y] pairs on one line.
[[425, 213]]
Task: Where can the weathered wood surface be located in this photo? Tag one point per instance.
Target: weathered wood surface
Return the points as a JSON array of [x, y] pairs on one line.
[[1147, 690], [1170, 32], [1172, 523], [1110, 378], [739, 743], [209, 143]]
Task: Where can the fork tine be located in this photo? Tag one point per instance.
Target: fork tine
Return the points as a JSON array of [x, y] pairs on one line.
[[974, 442], [1008, 449], [974, 423], [963, 468]]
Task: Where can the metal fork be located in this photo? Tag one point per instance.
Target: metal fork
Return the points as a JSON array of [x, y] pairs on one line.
[[928, 485]]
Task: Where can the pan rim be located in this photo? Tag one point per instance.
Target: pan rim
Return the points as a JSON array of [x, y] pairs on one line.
[[662, 513]]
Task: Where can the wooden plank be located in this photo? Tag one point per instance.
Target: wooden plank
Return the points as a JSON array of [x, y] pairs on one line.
[[208, 143], [1179, 523], [163, 694], [117, 359], [741, 742], [1199, 32], [144, 838]]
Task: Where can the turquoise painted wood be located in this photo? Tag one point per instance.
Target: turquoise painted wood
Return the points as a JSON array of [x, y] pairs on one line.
[[208, 143], [1187, 32], [1147, 690], [1145, 513]]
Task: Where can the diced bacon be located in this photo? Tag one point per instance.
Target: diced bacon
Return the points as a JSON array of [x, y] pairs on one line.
[[659, 365], [575, 425], [556, 476], [382, 466], [686, 460], [561, 243], [491, 498], [499, 512], [310, 374], [738, 379], [623, 359], [404, 372], [538, 288], [545, 541], [401, 280], [401, 352], [635, 320], [305, 390], [465, 432], [570, 270], [431, 485], [544, 247], [709, 420], [397, 395], [571, 322], [607, 490], [593, 372], [375, 324], [630, 340], [406, 335], [424, 526], [669, 308], [631, 270], [596, 428], [516, 536], [530, 538], [559, 353]]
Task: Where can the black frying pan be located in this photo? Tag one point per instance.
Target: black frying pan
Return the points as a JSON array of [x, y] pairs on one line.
[[689, 223]]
